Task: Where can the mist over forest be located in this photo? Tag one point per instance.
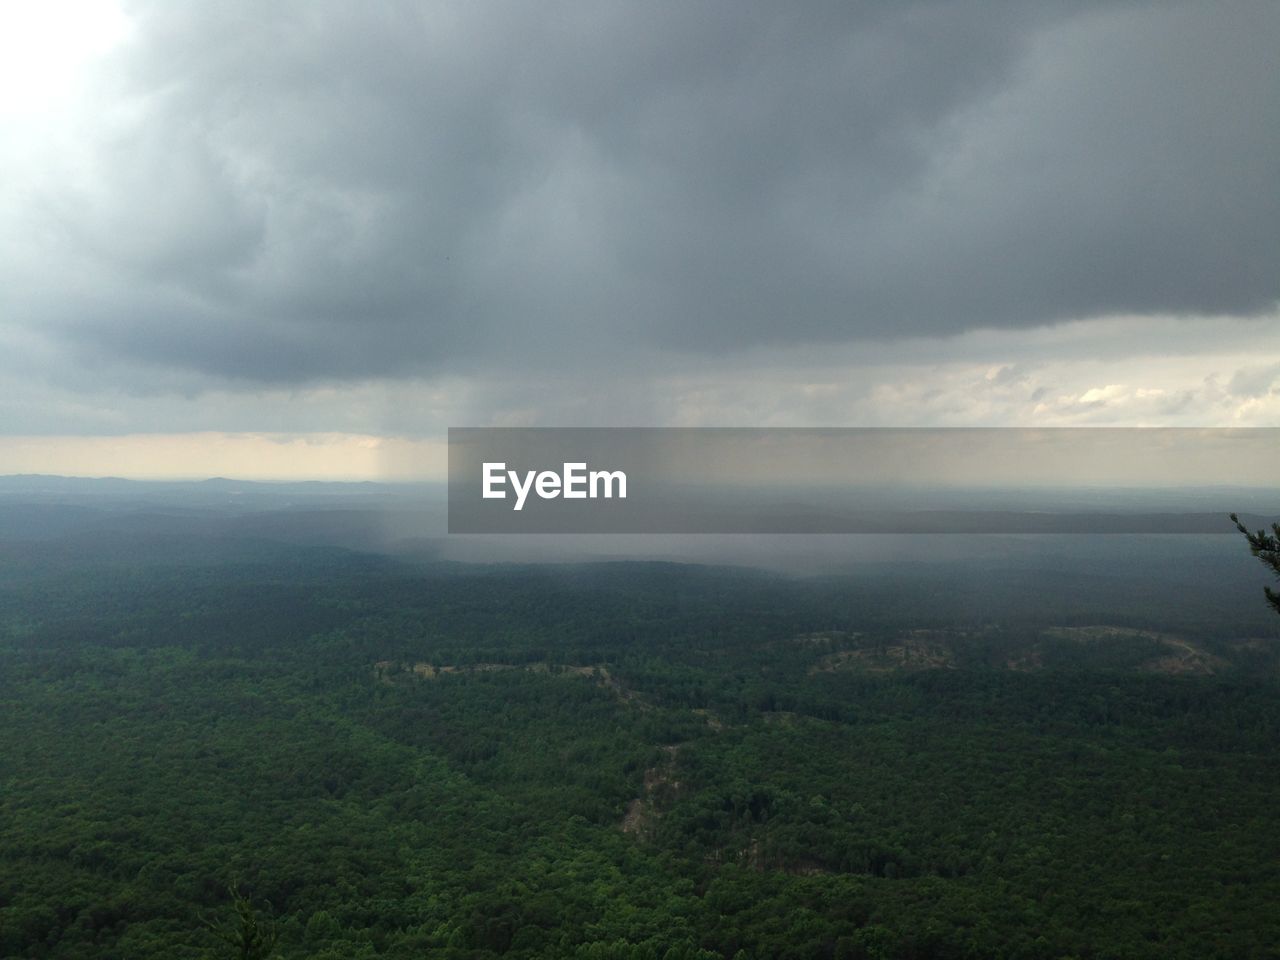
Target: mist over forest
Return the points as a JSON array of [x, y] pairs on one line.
[[286, 715]]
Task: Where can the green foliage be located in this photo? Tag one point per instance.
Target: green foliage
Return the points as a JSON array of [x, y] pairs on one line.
[[805, 768], [1266, 547], [246, 935]]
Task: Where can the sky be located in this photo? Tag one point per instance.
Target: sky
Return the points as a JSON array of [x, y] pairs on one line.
[[301, 239]]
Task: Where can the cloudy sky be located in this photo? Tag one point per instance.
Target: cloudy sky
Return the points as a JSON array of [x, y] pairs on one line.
[[303, 238]]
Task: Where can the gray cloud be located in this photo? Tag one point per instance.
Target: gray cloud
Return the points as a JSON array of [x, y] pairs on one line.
[[1087, 373], [302, 192], [1254, 381]]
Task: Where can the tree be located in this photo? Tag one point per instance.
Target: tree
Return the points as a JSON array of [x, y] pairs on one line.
[[1266, 547], [247, 936]]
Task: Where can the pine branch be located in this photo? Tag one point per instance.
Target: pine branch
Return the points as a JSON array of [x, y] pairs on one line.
[[1266, 547]]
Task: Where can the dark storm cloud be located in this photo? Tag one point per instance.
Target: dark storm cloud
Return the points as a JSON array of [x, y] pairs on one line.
[[287, 192]]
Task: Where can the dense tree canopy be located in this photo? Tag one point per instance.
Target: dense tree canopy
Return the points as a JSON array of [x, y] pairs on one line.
[[626, 760]]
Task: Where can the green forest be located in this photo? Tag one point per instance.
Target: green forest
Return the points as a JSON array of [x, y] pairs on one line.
[[372, 757]]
